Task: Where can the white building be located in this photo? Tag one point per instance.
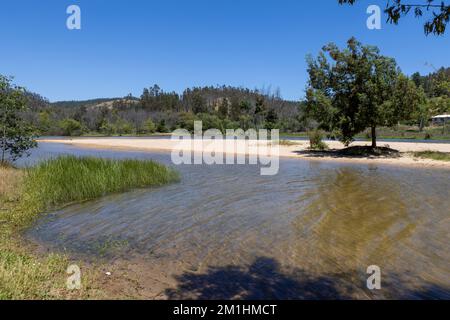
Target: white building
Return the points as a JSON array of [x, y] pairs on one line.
[[441, 119]]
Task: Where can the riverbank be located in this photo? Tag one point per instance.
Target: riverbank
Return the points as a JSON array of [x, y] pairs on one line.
[[288, 149], [27, 193]]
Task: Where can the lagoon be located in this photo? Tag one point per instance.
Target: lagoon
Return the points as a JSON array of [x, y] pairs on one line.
[[226, 232]]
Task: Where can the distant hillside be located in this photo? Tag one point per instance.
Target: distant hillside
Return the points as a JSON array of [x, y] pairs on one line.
[[222, 107], [100, 102], [219, 107]]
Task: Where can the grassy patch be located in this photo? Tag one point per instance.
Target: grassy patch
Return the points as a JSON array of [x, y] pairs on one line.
[[434, 155], [51, 184]]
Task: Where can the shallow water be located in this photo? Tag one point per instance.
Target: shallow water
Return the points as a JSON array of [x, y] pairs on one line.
[[309, 232]]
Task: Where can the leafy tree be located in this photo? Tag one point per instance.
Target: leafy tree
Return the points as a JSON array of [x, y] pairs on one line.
[[360, 88], [439, 105], [186, 121], [161, 128], [245, 106], [124, 127], [70, 127], [435, 84], [150, 126], [223, 108], [17, 136], [408, 102], [106, 128], [245, 122], [235, 109], [45, 122], [395, 9], [210, 121], [260, 110], [198, 103], [271, 119]]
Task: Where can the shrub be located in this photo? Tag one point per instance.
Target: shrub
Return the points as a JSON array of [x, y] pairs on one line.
[[315, 140], [161, 128], [150, 126], [70, 127]]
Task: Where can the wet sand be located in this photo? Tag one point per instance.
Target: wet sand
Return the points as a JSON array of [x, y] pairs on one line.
[[298, 149]]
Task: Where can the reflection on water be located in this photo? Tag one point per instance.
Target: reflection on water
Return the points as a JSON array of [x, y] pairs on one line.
[[309, 232]]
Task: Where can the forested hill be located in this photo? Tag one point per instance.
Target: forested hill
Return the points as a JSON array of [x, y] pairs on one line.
[[159, 111], [221, 107], [436, 84]]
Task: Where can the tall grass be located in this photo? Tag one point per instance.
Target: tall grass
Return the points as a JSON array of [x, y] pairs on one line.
[[69, 179], [10, 182], [26, 193]]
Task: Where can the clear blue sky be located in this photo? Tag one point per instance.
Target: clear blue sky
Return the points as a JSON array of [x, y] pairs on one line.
[[124, 46]]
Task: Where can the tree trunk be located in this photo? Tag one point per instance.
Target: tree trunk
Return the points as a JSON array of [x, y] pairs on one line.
[[374, 137]]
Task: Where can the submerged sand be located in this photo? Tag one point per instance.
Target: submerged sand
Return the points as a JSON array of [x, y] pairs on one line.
[[297, 149]]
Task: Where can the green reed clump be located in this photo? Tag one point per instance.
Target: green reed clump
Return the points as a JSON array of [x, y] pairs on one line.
[[69, 179], [25, 193]]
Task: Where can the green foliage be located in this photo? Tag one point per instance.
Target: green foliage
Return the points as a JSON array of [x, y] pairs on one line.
[[70, 127], [106, 128], [435, 84], [210, 121], [434, 155], [271, 119], [223, 109], [150, 126], [161, 128], [123, 127], [359, 89], [16, 135], [315, 140], [186, 121], [44, 122], [439, 105], [198, 103]]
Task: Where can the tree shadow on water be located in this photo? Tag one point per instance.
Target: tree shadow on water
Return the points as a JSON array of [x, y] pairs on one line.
[[260, 281]]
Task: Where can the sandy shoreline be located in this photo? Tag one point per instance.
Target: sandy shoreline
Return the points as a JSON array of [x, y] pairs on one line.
[[298, 150]]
